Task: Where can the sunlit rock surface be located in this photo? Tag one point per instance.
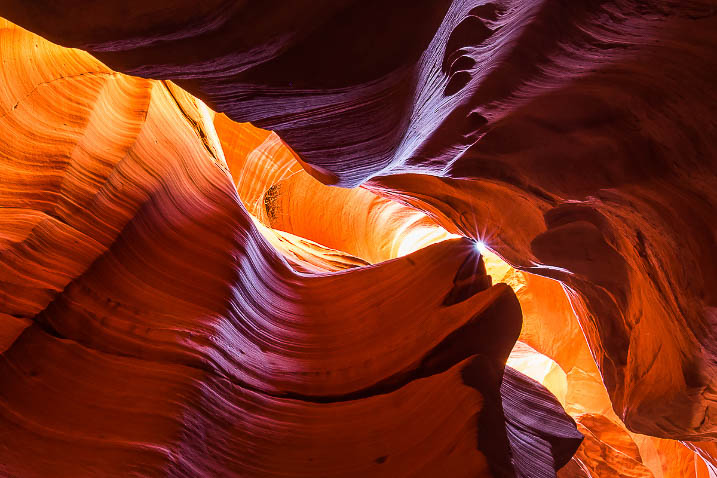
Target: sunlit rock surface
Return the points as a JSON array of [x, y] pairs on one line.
[[576, 139], [281, 195], [164, 335]]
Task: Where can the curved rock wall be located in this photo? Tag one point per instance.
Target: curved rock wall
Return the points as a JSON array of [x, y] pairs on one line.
[[574, 138], [164, 336]]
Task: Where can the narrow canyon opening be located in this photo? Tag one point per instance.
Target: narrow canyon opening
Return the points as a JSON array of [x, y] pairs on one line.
[[345, 239], [320, 228]]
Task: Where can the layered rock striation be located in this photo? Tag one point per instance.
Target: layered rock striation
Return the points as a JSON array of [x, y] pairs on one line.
[[153, 330], [574, 138]]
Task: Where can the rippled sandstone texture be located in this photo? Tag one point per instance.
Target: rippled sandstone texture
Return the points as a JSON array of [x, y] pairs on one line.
[[150, 329], [575, 137]]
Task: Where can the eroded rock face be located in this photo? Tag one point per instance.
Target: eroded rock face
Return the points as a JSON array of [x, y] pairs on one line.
[[575, 138], [163, 334]]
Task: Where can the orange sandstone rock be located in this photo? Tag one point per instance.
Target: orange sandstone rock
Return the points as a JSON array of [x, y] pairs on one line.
[[166, 336]]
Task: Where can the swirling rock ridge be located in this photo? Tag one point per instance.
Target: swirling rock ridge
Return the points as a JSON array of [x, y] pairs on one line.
[[574, 138]]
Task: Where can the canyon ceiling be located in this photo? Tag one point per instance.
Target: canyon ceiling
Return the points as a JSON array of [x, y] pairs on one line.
[[349, 239]]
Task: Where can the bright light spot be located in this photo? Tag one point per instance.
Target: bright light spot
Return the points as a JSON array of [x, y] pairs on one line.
[[480, 246], [540, 368], [421, 237]]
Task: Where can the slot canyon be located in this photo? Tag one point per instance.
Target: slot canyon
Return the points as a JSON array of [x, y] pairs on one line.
[[331, 238]]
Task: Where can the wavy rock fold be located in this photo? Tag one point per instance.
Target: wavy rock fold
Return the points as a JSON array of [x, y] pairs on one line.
[[198, 297]]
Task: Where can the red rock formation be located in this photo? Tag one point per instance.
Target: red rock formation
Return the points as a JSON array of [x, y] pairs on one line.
[[165, 336], [280, 194], [575, 138]]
